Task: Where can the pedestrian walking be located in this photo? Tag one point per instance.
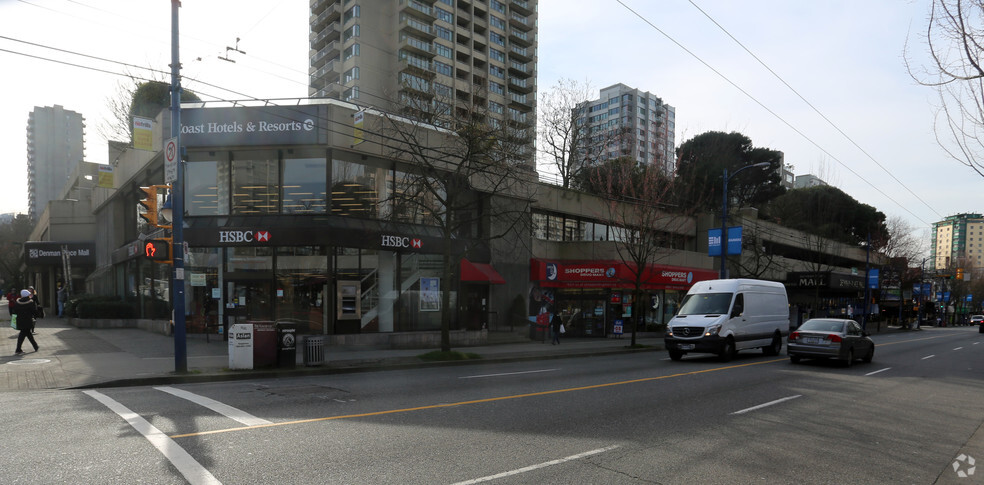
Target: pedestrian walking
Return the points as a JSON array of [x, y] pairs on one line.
[[25, 309], [555, 326], [62, 297], [38, 309]]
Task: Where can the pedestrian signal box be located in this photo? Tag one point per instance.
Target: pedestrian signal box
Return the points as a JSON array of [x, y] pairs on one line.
[[157, 250]]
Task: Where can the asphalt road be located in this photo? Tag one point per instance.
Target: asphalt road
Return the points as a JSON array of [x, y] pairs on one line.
[[905, 418]]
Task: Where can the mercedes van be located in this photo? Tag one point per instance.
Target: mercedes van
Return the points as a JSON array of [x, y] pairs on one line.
[[724, 316]]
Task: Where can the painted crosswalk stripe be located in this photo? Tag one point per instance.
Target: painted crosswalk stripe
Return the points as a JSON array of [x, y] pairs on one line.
[[192, 471], [536, 467], [223, 409], [770, 403]]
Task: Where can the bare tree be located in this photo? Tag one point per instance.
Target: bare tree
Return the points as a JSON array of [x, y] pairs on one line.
[[561, 136], [465, 171], [954, 40], [902, 241], [646, 228]]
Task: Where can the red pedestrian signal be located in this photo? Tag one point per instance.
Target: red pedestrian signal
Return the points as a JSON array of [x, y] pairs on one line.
[[157, 250]]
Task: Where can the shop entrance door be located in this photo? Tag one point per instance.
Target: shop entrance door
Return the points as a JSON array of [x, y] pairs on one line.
[[250, 300]]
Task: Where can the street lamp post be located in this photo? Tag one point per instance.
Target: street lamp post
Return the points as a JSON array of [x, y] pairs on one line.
[[724, 215]]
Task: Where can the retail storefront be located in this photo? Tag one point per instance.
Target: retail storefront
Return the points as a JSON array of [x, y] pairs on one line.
[[52, 262], [285, 224], [824, 294], [595, 298]]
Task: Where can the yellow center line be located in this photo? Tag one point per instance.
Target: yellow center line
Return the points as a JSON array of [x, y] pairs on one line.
[[476, 401], [503, 398]]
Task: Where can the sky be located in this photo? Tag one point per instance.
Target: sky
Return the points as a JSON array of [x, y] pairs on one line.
[[859, 120]]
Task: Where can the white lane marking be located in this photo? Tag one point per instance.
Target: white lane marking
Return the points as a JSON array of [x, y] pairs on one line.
[[535, 467], [223, 409], [877, 371], [929, 357], [958, 348], [770, 403], [192, 471], [508, 373], [975, 343]]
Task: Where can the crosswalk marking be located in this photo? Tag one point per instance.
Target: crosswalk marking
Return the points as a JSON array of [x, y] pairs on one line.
[[223, 409]]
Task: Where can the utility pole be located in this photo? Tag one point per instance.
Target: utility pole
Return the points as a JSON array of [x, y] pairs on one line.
[[177, 204]]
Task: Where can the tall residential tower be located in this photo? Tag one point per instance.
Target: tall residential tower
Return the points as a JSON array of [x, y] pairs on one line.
[[55, 146], [627, 122], [460, 54]]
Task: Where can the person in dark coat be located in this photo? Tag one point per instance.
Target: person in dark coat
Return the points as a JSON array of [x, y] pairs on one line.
[[555, 324], [25, 308]]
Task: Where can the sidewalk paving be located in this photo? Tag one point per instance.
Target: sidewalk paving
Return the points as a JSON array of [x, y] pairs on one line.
[[70, 357]]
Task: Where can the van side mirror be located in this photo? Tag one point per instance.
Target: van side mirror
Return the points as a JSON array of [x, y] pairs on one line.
[[737, 311]]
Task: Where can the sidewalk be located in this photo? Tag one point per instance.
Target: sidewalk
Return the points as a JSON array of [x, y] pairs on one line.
[[70, 357]]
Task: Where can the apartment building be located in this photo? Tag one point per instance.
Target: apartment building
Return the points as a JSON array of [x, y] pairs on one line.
[[958, 242], [55, 146], [628, 122], [449, 56]]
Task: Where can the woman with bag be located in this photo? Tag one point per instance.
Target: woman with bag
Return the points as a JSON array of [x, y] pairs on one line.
[[556, 324], [24, 309]]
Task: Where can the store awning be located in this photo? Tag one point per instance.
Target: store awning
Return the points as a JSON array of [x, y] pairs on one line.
[[480, 273]]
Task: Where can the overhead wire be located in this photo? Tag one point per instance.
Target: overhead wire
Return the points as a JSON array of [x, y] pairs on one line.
[[769, 110]]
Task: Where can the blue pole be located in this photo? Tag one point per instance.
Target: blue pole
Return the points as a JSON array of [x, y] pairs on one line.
[[177, 203], [724, 226]]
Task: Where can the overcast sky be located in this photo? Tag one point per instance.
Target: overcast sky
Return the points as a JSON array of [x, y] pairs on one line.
[[846, 58]]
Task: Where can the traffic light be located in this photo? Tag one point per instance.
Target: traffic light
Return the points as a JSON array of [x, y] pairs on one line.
[[149, 203], [157, 250], [960, 274]]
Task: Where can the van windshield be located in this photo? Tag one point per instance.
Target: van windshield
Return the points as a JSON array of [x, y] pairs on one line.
[[706, 304]]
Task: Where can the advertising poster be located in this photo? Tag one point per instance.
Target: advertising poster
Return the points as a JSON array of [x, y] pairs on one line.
[[430, 294]]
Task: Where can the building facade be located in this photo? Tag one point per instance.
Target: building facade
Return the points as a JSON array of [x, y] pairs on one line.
[[55, 145], [958, 242], [439, 56], [628, 122]]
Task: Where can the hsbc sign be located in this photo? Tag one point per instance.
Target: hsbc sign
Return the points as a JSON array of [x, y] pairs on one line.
[[235, 236], [390, 241]]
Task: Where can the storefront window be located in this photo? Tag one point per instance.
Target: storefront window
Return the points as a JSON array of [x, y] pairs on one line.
[[417, 199], [255, 182], [305, 185], [302, 276], [202, 265], [204, 194], [355, 188], [539, 226], [420, 305]]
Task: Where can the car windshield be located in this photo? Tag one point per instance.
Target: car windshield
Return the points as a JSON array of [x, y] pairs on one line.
[[706, 304], [823, 326]]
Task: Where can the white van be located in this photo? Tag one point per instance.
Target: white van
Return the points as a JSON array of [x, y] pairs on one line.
[[725, 316]]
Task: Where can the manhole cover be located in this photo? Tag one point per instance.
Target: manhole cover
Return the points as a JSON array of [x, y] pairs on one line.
[[29, 361]]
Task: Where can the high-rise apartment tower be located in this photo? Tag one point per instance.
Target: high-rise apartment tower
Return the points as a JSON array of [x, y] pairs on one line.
[[55, 146], [465, 53]]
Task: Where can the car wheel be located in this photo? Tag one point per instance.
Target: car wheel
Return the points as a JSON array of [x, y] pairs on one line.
[[850, 358], [794, 359], [870, 355], [775, 347], [728, 352], [676, 355]]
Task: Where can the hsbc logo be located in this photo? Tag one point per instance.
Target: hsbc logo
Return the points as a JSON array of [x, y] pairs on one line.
[[244, 236], [389, 241]]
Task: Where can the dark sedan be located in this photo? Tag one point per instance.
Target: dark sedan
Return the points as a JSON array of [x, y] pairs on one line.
[[830, 338]]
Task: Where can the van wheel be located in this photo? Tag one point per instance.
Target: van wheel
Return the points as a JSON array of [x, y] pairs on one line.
[[728, 352], [775, 347], [676, 355]]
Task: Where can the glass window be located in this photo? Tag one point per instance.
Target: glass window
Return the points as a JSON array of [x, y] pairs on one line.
[[255, 182], [497, 55], [351, 14], [351, 51], [206, 185], [444, 33], [442, 68], [497, 38], [497, 22], [497, 71], [417, 199], [355, 189], [555, 228], [305, 183], [301, 273], [496, 87], [573, 229], [442, 50], [497, 6], [351, 75], [444, 15], [495, 107], [350, 32], [539, 226]]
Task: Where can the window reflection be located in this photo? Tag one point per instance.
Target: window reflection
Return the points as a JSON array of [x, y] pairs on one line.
[[304, 186], [255, 182]]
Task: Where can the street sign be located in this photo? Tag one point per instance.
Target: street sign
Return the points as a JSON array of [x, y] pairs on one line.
[[170, 160]]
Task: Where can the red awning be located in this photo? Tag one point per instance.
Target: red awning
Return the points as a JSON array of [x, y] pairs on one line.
[[480, 273]]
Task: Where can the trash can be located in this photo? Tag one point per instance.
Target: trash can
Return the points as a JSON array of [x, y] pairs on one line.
[[314, 350], [286, 345]]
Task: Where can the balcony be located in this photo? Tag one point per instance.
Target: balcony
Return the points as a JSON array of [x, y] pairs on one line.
[[331, 14], [329, 73], [328, 34], [317, 6], [522, 54], [523, 102], [415, 27], [417, 67], [326, 54], [520, 22], [521, 6], [413, 44], [520, 69], [419, 10], [521, 85], [519, 37]]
